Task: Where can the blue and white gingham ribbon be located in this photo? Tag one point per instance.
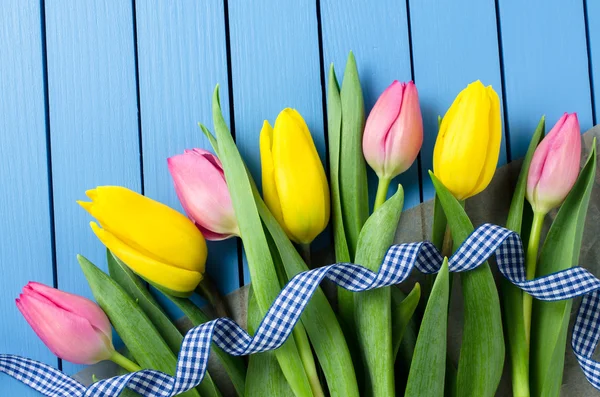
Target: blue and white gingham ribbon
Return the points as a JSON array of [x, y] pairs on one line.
[[277, 325]]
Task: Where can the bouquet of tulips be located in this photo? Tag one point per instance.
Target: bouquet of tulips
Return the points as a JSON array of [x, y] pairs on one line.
[[379, 343]]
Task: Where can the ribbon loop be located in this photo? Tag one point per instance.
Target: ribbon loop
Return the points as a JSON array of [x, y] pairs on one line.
[[284, 313]]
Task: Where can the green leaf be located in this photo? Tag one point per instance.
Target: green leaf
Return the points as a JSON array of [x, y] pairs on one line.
[[342, 253], [515, 213], [512, 296], [133, 285], [334, 130], [438, 235], [438, 229], [211, 138], [482, 351], [372, 309], [428, 369], [318, 318], [264, 375], [553, 380], [260, 263], [440, 222], [560, 251], [234, 366], [298, 333], [402, 314], [406, 348], [353, 171], [137, 290], [133, 326]]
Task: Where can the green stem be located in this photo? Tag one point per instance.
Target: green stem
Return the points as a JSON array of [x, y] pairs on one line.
[[530, 265], [520, 388], [308, 359], [124, 362], [305, 253], [208, 290], [382, 190], [447, 245]]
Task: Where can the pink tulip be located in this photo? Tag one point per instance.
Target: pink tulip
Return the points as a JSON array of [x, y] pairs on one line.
[[74, 328], [394, 130], [555, 165], [200, 185]]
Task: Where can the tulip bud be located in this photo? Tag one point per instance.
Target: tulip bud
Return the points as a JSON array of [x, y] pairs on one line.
[[200, 185], [155, 241], [74, 328], [394, 130], [555, 165], [294, 183], [468, 142]]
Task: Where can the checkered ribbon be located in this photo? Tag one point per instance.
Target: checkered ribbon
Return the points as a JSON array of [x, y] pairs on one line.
[[283, 314]]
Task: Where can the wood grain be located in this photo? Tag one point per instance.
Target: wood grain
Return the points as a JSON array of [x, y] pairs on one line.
[[454, 43], [181, 57], [377, 33], [592, 9], [26, 245], [93, 121], [547, 53], [274, 64], [545, 66]]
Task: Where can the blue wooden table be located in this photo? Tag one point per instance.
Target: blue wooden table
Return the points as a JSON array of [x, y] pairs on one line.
[[102, 92]]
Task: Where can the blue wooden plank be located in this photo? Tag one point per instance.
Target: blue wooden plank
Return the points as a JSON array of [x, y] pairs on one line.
[[545, 66], [181, 56], [592, 10], [275, 64], [93, 120], [593, 29], [25, 208], [454, 43], [377, 33]]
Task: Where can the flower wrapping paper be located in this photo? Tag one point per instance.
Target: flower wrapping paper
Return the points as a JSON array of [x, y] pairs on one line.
[[490, 206]]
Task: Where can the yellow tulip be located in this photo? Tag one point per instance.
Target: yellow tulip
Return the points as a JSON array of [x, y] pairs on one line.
[[468, 143], [158, 243], [294, 183]]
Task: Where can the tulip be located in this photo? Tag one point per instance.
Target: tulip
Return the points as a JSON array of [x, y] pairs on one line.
[[468, 143], [155, 241], [553, 171], [74, 328], [393, 134], [294, 183], [555, 165], [200, 185]]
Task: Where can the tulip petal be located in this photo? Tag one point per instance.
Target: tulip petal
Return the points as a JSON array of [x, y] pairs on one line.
[[555, 165], [68, 335], [537, 162], [73, 303], [463, 141], [269, 187], [299, 177], [148, 226], [212, 236], [440, 142], [405, 137], [170, 277], [202, 190], [377, 128], [495, 139]]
